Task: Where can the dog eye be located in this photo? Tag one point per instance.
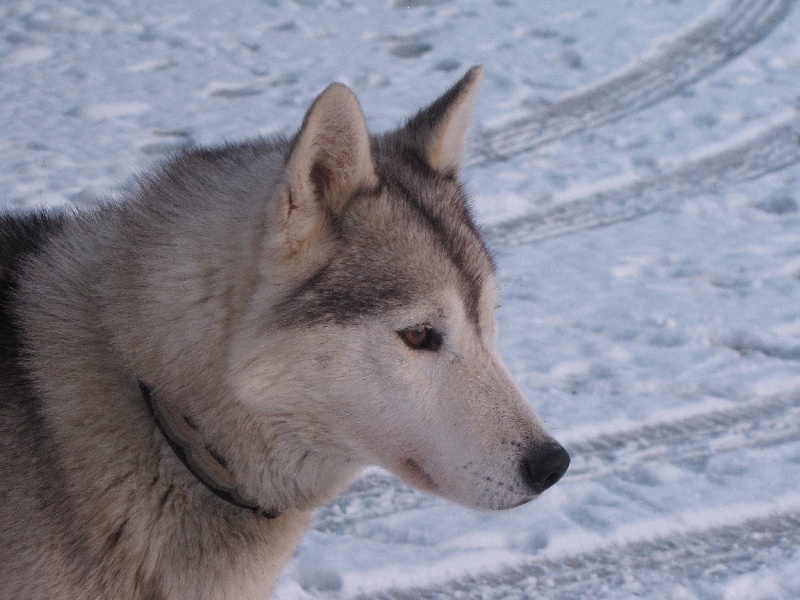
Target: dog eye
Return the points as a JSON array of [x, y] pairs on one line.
[[421, 337]]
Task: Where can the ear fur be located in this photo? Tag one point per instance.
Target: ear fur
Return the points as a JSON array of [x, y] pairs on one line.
[[329, 161], [439, 131]]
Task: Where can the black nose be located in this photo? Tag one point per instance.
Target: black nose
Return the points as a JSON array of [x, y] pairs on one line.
[[544, 465]]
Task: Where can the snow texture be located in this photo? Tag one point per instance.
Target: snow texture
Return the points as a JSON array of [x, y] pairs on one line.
[[635, 166]]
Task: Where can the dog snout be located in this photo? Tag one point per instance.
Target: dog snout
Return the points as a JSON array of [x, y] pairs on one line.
[[544, 465]]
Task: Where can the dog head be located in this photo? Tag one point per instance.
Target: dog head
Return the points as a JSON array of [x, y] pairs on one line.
[[372, 339]]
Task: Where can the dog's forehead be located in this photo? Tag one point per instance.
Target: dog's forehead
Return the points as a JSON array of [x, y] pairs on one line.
[[399, 245], [423, 226]]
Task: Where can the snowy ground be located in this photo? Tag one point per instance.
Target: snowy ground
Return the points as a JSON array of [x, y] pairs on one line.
[[635, 164]]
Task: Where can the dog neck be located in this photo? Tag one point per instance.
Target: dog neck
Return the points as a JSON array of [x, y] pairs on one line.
[[208, 467]]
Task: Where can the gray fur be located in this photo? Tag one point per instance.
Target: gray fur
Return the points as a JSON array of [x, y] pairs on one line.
[[260, 290]]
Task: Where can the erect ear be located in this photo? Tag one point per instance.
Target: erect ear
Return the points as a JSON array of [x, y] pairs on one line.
[[329, 161], [439, 130]]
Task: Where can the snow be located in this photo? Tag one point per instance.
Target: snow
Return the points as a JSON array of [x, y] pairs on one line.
[[635, 167]]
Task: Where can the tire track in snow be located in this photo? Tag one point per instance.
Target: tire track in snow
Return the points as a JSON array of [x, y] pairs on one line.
[[756, 424], [718, 554], [701, 49], [768, 150], [373, 495], [691, 439]]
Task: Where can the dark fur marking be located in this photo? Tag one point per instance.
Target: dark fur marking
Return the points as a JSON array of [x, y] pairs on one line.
[[332, 295], [217, 457], [114, 538], [328, 297], [453, 244], [21, 421], [462, 211]]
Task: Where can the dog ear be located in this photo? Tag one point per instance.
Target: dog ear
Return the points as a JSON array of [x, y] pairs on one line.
[[439, 131], [328, 163]]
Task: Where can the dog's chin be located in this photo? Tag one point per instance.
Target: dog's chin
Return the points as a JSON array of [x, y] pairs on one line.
[[493, 503], [517, 502], [415, 475], [479, 498]]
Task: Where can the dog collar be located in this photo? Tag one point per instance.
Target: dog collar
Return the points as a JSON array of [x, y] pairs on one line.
[[208, 467]]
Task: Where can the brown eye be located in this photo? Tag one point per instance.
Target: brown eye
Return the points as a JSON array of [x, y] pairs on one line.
[[416, 336], [421, 337]]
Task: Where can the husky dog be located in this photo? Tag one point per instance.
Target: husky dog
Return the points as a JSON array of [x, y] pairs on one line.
[[189, 372]]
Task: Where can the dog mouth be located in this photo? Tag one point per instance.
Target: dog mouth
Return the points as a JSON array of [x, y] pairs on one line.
[[413, 473]]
